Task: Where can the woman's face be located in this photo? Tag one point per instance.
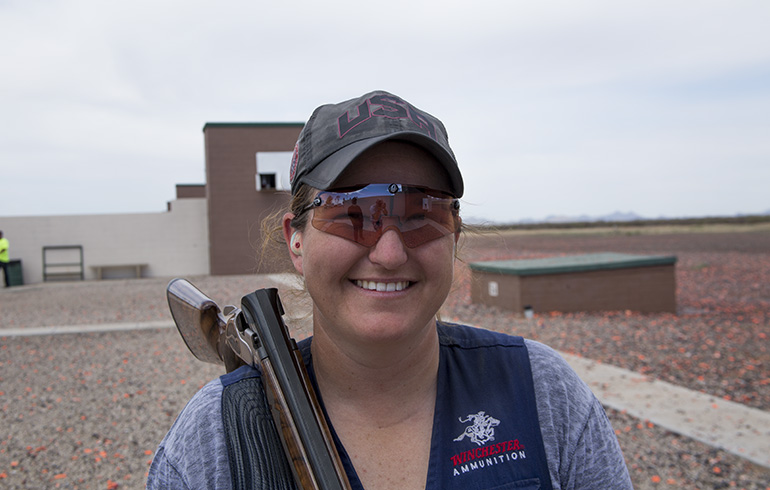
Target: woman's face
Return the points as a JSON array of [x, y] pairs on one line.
[[386, 292]]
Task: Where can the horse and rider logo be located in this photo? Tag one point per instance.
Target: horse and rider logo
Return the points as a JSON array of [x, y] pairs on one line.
[[481, 430]]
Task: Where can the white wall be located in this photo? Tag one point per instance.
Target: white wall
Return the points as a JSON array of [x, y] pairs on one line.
[[274, 162], [172, 243]]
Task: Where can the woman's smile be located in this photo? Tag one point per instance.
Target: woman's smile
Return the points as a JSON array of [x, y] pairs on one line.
[[382, 286]]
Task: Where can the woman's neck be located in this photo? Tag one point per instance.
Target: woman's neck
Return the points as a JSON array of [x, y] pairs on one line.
[[377, 375]]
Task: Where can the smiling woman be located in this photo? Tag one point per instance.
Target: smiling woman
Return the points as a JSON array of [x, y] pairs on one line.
[[335, 266], [412, 402]]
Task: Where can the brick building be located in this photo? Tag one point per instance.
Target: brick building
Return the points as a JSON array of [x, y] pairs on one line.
[[247, 178]]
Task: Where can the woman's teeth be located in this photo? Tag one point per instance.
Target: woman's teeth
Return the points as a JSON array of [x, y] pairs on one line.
[[382, 286]]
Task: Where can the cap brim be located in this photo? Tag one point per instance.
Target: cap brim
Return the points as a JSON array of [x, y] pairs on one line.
[[329, 170]]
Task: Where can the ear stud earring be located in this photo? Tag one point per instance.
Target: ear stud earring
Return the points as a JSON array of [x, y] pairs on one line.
[[295, 245]]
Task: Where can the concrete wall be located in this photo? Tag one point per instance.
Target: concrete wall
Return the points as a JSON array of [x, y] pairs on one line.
[[211, 228], [171, 243]]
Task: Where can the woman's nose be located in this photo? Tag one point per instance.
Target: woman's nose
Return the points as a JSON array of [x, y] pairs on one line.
[[390, 250]]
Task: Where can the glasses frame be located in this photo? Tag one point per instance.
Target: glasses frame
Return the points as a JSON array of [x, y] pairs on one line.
[[431, 230]]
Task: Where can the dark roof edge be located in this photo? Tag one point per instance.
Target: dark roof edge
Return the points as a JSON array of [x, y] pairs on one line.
[[533, 267]]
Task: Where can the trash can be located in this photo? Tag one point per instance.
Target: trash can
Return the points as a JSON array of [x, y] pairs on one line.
[[15, 275]]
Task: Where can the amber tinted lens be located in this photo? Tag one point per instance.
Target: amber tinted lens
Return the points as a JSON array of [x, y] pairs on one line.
[[419, 214]]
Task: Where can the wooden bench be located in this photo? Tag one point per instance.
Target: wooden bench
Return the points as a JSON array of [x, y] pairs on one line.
[[135, 270], [591, 282]]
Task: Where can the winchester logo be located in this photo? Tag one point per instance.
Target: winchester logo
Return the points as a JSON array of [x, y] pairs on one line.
[[485, 457], [481, 430]]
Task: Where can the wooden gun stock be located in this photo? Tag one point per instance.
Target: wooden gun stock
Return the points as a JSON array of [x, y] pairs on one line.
[[257, 336]]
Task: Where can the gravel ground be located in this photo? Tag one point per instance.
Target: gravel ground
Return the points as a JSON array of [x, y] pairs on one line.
[[88, 410]]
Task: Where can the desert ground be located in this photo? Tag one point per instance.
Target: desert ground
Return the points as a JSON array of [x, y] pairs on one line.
[[87, 410]]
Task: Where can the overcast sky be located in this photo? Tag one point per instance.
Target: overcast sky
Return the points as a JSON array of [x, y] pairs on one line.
[[661, 108]]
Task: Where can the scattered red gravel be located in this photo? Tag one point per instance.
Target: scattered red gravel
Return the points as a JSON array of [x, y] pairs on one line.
[[88, 410], [716, 343]]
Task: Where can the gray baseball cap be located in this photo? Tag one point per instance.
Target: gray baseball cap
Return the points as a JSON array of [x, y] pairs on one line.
[[336, 134]]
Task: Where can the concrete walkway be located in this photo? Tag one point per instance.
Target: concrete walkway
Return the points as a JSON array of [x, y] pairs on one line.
[[736, 428], [727, 425], [71, 329]]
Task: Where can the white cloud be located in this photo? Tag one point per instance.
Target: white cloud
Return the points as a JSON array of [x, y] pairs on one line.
[[557, 92]]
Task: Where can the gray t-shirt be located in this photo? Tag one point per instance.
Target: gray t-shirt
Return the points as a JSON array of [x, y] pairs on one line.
[[581, 448]]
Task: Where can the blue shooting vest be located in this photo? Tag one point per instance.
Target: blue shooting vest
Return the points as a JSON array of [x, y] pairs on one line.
[[486, 433]]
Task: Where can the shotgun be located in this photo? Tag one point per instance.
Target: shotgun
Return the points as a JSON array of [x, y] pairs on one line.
[[256, 335]]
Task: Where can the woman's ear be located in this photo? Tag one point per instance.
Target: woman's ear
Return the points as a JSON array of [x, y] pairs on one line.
[[293, 239]]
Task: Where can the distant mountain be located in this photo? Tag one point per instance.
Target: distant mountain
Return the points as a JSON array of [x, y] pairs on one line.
[[583, 218], [615, 217], [619, 216]]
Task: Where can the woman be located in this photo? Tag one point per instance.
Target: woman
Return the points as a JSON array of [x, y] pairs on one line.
[[413, 403]]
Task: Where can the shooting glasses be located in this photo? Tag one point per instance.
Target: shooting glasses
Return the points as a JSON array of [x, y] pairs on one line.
[[362, 215]]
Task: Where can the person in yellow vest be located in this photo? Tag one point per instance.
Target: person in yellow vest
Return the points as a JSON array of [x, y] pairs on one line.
[[4, 257]]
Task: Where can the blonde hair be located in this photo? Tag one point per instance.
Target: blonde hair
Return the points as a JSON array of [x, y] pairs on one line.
[[273, 246]]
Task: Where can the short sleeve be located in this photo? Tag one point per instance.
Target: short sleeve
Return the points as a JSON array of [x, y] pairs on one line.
[[193, 455], [580, 443]]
